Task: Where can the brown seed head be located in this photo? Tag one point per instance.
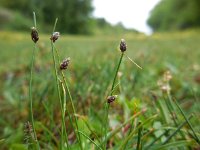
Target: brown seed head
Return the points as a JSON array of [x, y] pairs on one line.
[[34, 34], [55, 36], [112, 98], [65, 64], [123, 45]]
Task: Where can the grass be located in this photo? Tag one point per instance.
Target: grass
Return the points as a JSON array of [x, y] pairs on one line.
[[136, 118]]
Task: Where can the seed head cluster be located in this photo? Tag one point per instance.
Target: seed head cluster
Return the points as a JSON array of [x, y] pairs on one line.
[[123, 45], [28, 132], [34, 34], [164, 82], [65, 64], [55, 36], [111, 99]]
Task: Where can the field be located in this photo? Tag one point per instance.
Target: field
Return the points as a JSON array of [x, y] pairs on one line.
[[93, 61]]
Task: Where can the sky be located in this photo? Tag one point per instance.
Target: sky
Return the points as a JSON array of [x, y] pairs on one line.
[[132, 13]]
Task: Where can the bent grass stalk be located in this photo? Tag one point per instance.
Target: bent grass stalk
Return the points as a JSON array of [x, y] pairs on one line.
[[59, 94], [30, 87]]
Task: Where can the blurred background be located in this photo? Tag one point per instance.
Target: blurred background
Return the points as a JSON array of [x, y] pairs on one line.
[[161, 35], [80, 16]]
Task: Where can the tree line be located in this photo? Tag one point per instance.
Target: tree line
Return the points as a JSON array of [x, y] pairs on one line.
[[74, 15], [175, 15]]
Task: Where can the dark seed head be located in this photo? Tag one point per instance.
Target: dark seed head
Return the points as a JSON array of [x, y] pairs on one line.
[[34, 34], [55, 36], [112, 98], [123, 45], [64, 64]]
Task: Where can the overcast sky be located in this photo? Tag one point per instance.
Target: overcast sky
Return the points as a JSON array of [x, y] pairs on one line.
[[132, 13]]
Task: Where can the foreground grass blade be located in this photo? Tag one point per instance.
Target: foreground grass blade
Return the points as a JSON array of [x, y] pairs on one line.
[[139, 142], [90, 129], [174, 145], [30, 86], [188, 122], [2, 140], [48, 131], [123, 145], [176, 131], [125, 123], [90, 140], [156, 139]]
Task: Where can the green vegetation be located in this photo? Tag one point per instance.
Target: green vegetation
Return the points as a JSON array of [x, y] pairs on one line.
[[142, 116], [175, 15], [75, 15]]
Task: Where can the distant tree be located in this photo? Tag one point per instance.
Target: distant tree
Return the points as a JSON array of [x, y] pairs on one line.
[[74, 15], [175, 14]]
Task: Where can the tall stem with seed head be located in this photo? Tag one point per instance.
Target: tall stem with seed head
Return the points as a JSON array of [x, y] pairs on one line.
[[30, 87], [63, 130], [107, 105]]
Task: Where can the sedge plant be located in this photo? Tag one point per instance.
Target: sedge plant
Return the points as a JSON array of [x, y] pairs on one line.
[[64, 137], [63, 66], [35, 38], [111, 97]]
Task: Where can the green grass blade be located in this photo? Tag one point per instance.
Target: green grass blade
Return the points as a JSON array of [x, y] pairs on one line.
[[108, 105], [174, 145], [125, 123], [176, 131], [139, 142], [188, 122], [90, 140], [123, 145]]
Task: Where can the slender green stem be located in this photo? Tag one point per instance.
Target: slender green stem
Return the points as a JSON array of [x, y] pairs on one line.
[[106, 124], [30, 87], [108, 105], [59, 94], [188, 122], [116, 72], [64, 110], [139, 145]]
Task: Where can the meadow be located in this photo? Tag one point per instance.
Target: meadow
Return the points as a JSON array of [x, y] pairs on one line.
[[143, 116]]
